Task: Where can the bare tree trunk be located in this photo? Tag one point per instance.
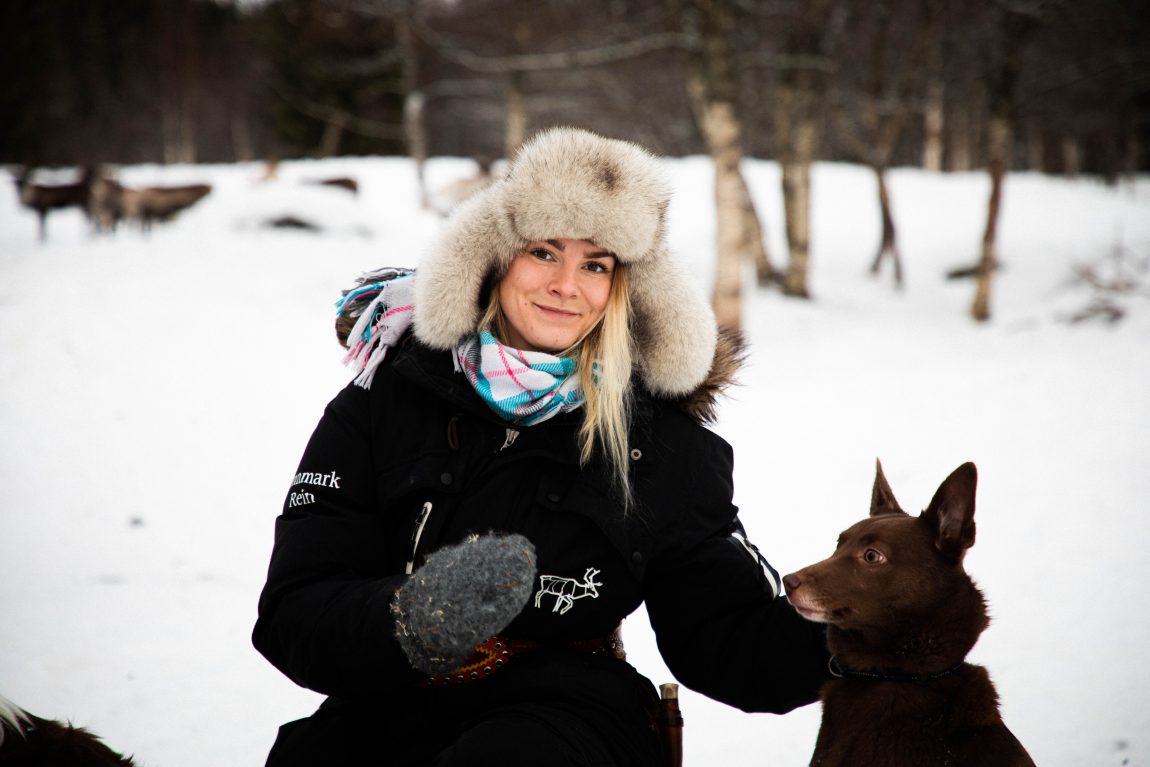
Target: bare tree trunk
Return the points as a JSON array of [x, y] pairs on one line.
[[169, 133], [999, 146], [243, 150], [333, 131], [959, 153], [801, 96], [516, 128], [712, 88], [414, 101], [179, 132], [189, 110], [933, 126], [798, 137], [1035, 148], [178, 40], [1130, 154], [1071, 159], [722, 130], [1016, 28], [415, 132], [797, 198], [889, 244], [933, 111], [755, 246]]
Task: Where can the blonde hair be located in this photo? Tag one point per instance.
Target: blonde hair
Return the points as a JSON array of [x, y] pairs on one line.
[[604, 360]]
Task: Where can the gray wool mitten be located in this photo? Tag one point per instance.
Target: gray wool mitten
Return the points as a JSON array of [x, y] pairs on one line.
[[462, 595]]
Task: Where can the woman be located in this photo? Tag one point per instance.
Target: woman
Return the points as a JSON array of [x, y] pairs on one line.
[[523, 455]]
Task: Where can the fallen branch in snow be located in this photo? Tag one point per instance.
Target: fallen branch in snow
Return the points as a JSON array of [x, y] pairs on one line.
[[1120, 275]]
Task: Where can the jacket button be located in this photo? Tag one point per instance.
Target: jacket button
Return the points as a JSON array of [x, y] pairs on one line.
[[637, 558], [445, 478]]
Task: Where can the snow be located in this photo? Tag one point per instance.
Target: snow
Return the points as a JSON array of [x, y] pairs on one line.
[[156, 392]]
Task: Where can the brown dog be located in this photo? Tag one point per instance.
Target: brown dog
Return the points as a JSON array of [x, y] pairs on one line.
[[29, 741], [902, 614]]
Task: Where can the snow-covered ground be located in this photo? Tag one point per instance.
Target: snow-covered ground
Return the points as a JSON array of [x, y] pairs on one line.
[[156, 391]]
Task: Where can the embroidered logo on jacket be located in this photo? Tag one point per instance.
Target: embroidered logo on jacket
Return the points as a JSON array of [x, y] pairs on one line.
[[567, 590], [305, 498], [329, 479]]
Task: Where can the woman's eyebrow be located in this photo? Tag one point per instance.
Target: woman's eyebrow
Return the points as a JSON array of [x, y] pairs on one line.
[[600, 254]]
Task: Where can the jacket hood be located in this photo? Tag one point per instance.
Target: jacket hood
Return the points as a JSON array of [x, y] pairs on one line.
[[730, 354], [568, 183]]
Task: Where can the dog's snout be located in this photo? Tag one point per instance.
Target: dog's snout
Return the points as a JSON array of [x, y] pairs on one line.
[[791, 582]]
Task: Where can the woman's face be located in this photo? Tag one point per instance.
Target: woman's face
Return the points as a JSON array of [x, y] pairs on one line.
[[554, 293]]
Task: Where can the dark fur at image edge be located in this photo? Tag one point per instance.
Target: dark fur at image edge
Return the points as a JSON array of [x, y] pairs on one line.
[[47, 743]]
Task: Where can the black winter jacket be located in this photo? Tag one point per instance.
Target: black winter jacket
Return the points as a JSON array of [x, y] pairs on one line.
[[421, 439]]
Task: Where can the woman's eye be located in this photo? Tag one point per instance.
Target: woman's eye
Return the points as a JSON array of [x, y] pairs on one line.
[[598, 268], [541, 253], [873, 556]]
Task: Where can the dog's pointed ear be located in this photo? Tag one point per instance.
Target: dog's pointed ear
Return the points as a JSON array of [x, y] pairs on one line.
[[882, 500], [951, 511]]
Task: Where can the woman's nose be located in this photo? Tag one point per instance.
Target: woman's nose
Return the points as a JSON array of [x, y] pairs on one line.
[[563, 282]]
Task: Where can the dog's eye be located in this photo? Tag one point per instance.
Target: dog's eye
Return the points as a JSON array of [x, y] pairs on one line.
[[873, 557]]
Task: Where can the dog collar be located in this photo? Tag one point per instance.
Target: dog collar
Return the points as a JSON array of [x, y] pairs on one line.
[[839, 671]]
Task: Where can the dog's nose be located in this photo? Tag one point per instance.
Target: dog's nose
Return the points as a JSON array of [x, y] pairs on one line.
[[791, 582]]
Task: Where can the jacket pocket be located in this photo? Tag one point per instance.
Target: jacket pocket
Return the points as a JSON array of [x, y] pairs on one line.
[[408, 496], [576, 494]]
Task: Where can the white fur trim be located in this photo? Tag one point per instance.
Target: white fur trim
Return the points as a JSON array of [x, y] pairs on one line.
[[572, 183]]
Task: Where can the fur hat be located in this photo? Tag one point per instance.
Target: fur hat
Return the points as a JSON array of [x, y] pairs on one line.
[[568, 183]]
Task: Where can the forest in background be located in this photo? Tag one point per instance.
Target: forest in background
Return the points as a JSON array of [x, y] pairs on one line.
[[1053, 86], [907, 82]]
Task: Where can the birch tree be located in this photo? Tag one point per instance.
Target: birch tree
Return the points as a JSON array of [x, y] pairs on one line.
[[712, 85], [1016, 22], [808, 39], [875, 97]]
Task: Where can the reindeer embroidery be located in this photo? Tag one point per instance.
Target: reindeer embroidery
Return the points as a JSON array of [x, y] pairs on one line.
[[567, 590]]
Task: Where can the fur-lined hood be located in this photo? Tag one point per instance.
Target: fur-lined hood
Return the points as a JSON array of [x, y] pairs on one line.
[[576, 184], [730, 354]]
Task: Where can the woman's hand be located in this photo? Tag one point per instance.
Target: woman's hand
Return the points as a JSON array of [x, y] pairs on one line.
[[462, 595]]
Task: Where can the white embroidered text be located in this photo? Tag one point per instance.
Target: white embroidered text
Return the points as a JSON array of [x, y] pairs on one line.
[[300, 499], [330, 479]]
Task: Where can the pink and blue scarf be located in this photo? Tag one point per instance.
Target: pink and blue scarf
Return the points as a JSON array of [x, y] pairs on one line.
[[523, 387]]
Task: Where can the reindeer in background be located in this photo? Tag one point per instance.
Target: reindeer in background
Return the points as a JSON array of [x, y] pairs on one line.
[[44, 198], [112, 202], [105, 201], [160, 203]]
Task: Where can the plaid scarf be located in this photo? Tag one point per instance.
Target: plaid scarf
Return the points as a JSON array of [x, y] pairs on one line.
[[523, 387], [387, 294]]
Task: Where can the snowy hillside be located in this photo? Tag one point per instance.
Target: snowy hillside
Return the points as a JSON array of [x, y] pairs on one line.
[[156, 392]]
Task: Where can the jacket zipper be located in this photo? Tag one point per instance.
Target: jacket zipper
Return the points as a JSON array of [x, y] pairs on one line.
[[420, 523]]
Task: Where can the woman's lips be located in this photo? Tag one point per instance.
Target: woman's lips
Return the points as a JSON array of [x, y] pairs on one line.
[[556, 313]]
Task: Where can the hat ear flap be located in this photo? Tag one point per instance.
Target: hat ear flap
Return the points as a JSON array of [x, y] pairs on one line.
[[675, 327], [476, 244]]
